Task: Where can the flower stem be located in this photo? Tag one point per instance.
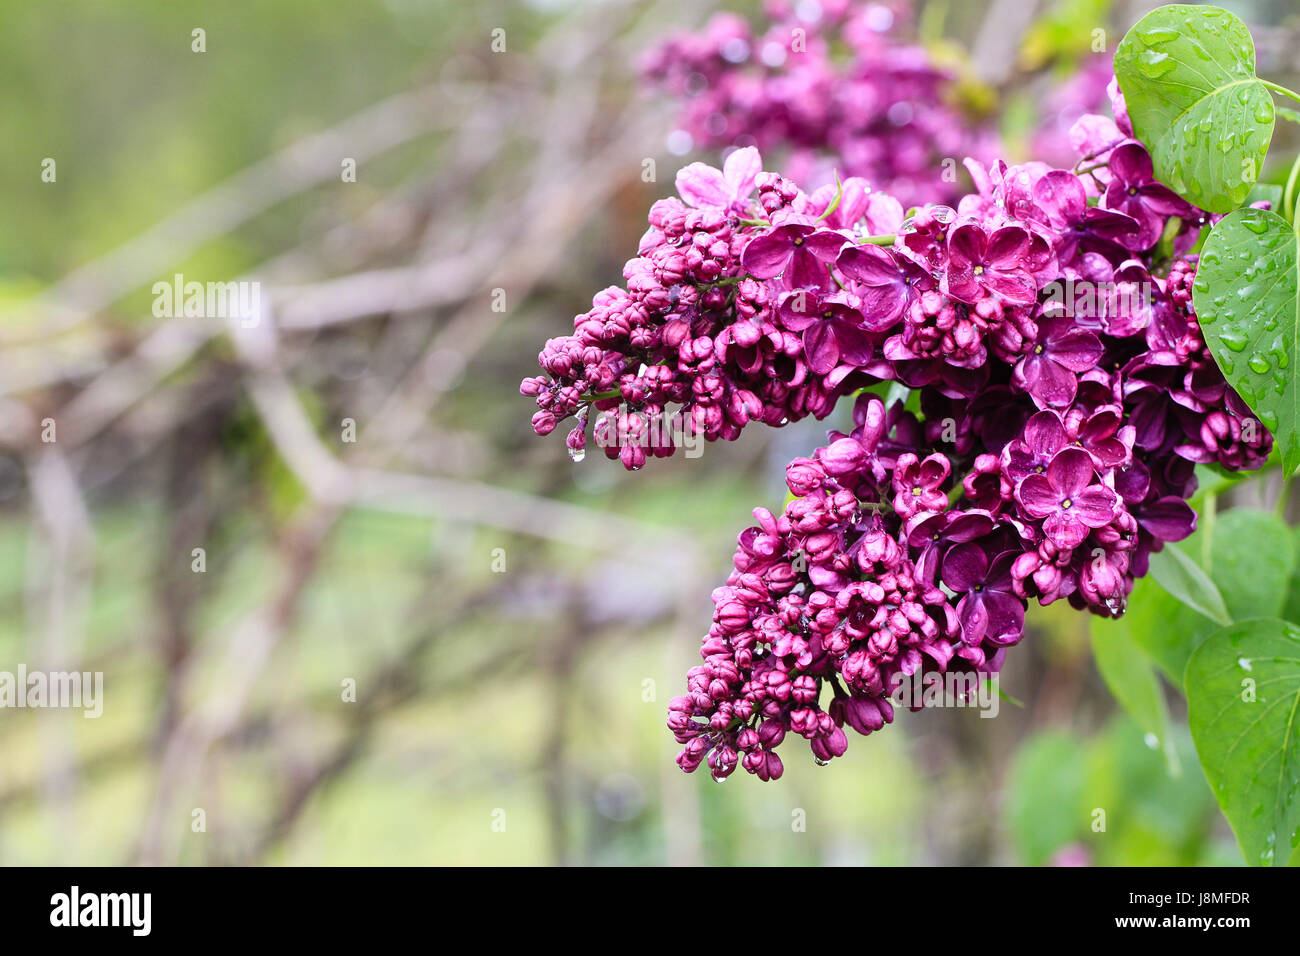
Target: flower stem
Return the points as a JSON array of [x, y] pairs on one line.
[[839, 194], [1282, 90], [1209, 512], [886, 240], [1289, 194]]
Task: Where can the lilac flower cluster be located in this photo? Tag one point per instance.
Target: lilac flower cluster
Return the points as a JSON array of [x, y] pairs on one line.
[[830, 81], [1064, 394], [731, 284]]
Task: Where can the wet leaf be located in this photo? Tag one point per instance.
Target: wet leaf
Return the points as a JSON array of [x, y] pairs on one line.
[[1188, 78], [1247, 295], [1243, 697]]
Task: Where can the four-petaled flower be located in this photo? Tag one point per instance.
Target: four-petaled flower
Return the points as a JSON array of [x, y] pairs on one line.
[[1134, 191], [989, 608], [1066, 496], [831, 330], [799, 250], [883, 284], [704, 187], [917, 484], [1044, 436], [1047, 372], [980, 264]]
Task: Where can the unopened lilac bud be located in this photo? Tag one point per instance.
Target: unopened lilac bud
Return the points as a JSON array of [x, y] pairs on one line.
[[804, 476], [544, 423], [831, 746], [842, 457]]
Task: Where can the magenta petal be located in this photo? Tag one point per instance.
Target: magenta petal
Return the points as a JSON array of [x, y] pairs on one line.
[[1062, 192], [1070, 471], [1016, 286], [882, 306], [974, 618], [961, 284], [1008, 246], [964, 567], [701, 185], [1169, 519], [869, 264], [1078, 350], [1094, 506], [1006, 617], [854, 344], [934, 470], [1150, 422], [740, 170], [1131, 163], [1044, 434], [1066, 531], [1051, 383], [970, 525], [806, 271], [798, 311], [967, 245], [821, 348], [884, 214], [767, 256], [1110, 452], [1037, 496], [825, 245]]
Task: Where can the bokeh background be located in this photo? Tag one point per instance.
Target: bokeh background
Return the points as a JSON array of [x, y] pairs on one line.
[[514, 623]]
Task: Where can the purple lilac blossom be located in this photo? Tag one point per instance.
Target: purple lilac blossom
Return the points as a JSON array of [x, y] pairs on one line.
[[1055, 449]]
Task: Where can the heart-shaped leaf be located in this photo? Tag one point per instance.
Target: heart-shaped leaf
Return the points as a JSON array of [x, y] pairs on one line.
[[1188, 78], [1243, 699], [1247, 296]]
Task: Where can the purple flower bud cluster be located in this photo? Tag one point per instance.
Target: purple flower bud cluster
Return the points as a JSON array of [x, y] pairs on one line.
[[1063, 394], [832, 83], [728, 316]]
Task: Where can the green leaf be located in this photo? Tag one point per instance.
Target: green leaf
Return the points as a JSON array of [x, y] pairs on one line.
[[1266, 192], [1291, 609], [1247, 296], [1288, 114], [1252, 558], [1132, 679], [1182, 577], [1243, 699], [1188, 78], [1165, 628], [1250, 580]]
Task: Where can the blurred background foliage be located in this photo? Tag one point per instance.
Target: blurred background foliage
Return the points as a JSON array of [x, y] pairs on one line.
[[539, 691]]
